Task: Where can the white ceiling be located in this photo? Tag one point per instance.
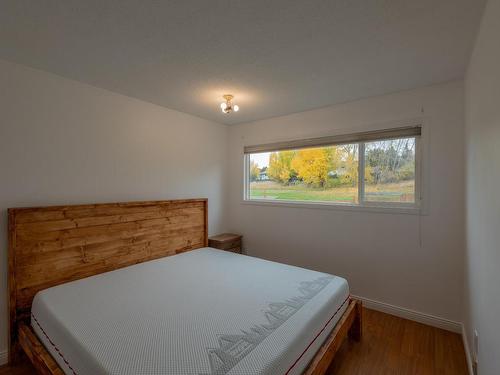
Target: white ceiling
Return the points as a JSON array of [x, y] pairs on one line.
[[276, 56]]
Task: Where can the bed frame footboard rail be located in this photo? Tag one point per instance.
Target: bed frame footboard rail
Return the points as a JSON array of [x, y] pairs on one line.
[[43, 362], [350, 324]]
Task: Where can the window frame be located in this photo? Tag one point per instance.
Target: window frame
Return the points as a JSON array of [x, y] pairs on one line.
[[418, 207]]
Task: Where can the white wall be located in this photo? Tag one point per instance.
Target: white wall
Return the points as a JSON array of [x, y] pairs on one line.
[[410, 261], [483, 194], [63, 142]]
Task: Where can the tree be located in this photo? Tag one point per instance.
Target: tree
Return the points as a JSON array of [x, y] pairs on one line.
[[312, 165], [254, 171], [280, 166], [347, 157], [391, 161]]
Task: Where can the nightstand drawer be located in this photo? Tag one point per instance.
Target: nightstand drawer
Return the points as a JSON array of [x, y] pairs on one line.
[[227, 245], [226, 241]]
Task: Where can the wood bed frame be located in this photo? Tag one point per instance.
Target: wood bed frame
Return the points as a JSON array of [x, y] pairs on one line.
[[49, 246]]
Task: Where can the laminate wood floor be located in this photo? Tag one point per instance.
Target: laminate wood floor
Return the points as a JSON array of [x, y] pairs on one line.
[[395, 346], [390, 346]]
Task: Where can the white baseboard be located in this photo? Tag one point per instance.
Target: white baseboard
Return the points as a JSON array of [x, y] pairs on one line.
[[4, 357], [467, 350], [416, 316]]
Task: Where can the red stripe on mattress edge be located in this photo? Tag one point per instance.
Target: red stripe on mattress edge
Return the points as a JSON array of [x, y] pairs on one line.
[[52, 343]]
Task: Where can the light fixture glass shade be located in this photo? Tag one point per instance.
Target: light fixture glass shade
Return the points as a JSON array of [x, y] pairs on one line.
[[228, 106]]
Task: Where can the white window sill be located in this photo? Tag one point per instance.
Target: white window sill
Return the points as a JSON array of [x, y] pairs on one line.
[[380, 208]]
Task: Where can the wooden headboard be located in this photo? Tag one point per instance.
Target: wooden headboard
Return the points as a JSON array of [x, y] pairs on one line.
[[49, 246]]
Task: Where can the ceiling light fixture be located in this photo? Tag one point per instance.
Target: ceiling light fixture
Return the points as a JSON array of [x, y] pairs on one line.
[[227, 106]]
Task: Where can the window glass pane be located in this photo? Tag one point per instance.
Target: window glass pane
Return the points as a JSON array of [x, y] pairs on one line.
[[390, 171], [323, 174]]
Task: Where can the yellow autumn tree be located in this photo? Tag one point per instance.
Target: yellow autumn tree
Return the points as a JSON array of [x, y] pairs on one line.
[[280, 166], [254, 171], [312, 165]]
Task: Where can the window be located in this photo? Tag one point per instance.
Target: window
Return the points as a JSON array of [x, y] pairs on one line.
[[390, 171], [379, 169]]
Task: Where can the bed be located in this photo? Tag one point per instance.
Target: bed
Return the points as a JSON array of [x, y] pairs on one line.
[[131, 288]]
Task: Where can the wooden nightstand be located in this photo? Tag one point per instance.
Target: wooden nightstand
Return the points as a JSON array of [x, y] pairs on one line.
[[226, 241]]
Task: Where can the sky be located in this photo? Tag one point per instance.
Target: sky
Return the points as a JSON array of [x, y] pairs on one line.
[[261, 159]]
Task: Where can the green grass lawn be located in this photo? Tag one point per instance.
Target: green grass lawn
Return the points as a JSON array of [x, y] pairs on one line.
[[397, 192]]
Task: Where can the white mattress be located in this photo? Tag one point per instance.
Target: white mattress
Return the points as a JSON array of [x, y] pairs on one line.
[[202, 312]]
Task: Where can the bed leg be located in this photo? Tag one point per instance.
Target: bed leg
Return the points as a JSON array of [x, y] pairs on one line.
[[356, 330]]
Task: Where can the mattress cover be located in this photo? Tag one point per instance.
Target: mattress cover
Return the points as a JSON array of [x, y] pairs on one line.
[[203, 312]]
